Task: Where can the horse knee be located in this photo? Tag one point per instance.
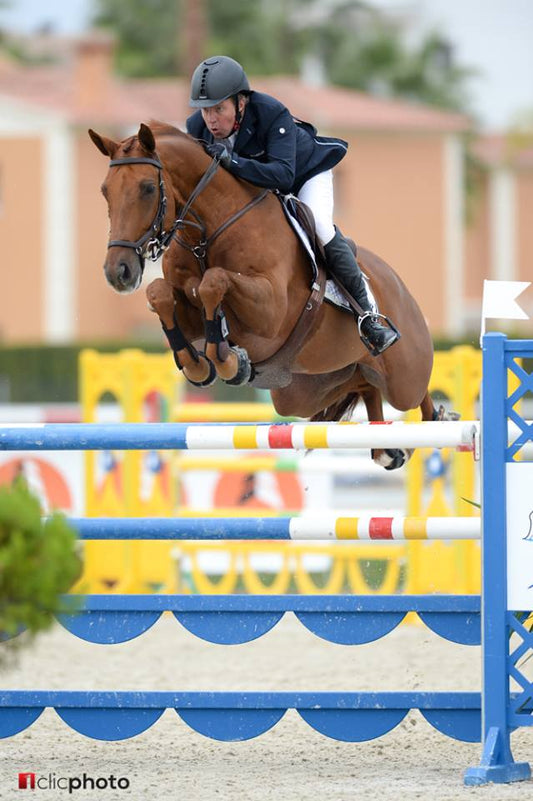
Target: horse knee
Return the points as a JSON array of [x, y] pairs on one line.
[[161, 300], [213, 287]]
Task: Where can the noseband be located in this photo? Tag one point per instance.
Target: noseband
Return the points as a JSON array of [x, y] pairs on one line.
[[156, 240]]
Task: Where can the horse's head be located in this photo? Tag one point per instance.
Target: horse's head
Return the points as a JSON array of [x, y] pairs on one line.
[[137, 205]]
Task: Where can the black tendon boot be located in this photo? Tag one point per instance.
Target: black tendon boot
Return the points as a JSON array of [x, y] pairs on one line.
[[343, 265]]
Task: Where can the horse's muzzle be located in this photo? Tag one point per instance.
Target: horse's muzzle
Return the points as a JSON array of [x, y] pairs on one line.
[[124, 270]]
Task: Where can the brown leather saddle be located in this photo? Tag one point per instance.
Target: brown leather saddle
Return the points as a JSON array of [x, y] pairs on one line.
[[305, 217], [276, 370]]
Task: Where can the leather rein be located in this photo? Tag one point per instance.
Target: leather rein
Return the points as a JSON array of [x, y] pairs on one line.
[[153, 243]]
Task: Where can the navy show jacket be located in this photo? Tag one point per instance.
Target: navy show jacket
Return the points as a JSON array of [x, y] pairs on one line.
[[273, 149]]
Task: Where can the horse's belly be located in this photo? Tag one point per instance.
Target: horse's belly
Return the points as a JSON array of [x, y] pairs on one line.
[[333, 346]]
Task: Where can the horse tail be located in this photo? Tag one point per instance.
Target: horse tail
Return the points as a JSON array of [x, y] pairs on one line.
[[342, 409]]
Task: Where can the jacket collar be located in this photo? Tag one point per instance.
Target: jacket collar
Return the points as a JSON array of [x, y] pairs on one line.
[[248, 126]]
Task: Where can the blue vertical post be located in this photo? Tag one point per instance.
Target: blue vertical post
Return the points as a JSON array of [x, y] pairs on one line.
[[497, 763]]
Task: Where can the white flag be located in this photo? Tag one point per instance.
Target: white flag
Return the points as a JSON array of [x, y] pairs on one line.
[[499, 300]]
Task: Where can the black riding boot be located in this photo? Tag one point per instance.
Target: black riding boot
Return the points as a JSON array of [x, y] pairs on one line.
[[343, 265]]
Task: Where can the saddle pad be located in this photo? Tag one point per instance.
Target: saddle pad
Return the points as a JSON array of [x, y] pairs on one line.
[[287, 207], [333, 293], [336, 296]]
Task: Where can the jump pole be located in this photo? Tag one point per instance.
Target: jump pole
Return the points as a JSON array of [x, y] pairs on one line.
[[325, 527], [179, 436]]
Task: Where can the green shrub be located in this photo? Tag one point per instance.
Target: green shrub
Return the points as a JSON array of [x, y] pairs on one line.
[[38, 562]]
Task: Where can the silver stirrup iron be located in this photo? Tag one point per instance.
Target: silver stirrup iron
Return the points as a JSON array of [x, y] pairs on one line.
[[365, 339]]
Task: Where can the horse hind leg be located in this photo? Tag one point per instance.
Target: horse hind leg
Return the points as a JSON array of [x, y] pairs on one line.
[[393, 458], [432, 413], [389, 458]]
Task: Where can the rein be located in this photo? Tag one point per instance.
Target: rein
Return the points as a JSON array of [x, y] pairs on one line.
[[153, 243]]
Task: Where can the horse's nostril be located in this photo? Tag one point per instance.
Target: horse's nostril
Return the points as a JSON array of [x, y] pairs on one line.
[[123, 272]]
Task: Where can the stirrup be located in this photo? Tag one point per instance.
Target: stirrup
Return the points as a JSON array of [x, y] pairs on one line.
[[365, 340]]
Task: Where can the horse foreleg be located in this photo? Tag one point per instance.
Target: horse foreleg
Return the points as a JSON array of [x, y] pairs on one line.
[[195, 366], [232, 363], [389, 458]]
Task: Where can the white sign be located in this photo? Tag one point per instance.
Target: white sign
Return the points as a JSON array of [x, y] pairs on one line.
[[519, 536]]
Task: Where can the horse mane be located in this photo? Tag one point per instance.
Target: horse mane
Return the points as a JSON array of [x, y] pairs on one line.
[[159, 128]]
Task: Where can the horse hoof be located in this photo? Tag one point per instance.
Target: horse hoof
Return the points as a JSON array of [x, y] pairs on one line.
[[244, 369], [211, 378], [398, 459], [391, 458], [441, 414]]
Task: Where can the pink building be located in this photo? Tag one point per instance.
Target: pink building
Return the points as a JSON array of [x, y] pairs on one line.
[[499, 237]]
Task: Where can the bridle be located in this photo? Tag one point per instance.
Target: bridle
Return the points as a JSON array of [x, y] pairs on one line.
[[153, 243]]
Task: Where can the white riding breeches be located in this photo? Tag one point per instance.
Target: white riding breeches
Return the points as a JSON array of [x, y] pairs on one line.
[[317, 193]]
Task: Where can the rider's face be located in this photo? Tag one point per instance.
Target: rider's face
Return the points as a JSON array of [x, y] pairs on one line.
[[220, 119]]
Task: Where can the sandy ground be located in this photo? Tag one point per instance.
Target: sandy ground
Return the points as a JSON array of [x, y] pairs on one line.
[[291, 762]]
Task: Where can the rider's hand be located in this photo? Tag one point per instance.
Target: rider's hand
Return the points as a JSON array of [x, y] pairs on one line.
[[219, 151]]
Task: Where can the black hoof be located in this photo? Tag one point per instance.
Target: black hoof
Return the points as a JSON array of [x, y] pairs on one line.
[[398, 458], [244, 369]]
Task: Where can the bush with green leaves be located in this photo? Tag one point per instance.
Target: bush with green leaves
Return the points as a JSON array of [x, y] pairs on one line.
[[38, 562]]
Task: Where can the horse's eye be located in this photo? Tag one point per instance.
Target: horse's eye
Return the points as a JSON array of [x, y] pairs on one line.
[[147, 188], [103, 190]]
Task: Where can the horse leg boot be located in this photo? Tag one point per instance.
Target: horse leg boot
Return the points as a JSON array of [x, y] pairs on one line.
[[197, 369], [342, 263], [231, 362]]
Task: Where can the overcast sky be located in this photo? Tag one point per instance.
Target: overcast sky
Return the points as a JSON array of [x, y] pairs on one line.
[[494, 36]]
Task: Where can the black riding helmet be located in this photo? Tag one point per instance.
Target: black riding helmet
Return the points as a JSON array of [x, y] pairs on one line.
[[216, 79]]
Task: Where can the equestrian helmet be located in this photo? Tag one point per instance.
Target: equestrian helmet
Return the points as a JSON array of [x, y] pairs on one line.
[[216, 79]]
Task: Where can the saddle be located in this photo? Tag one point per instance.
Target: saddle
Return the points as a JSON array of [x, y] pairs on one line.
[[276, 371], [299, 211]]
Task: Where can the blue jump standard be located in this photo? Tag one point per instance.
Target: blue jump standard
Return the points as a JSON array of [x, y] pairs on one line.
[[499, 405]]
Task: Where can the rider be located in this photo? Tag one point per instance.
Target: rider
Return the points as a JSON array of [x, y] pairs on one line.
[[256, 138]]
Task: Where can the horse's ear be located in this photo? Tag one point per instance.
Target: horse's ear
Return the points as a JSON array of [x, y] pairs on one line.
[[146, 138], [104, 145]]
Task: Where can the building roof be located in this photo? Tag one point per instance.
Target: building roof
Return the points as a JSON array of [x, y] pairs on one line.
[[85, 91], [335, 107], [513, 150]]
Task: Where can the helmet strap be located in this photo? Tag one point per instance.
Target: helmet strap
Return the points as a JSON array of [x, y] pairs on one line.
[[238, 115]]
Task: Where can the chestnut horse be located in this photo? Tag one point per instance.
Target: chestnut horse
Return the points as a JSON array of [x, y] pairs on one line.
[[236, 274]]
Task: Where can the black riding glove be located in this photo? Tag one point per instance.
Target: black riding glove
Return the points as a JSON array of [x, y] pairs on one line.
[[219, 151]]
